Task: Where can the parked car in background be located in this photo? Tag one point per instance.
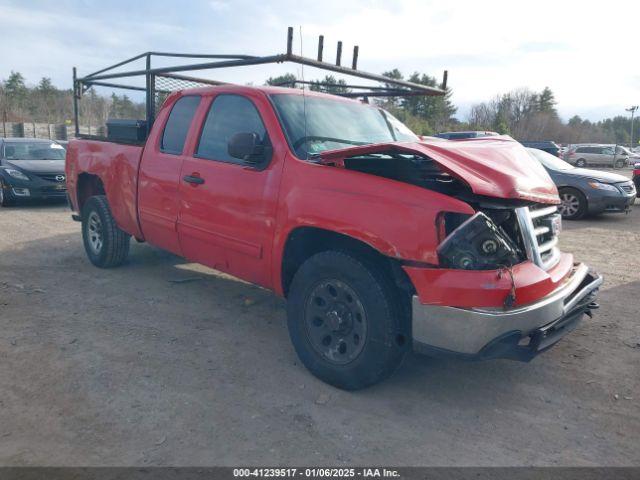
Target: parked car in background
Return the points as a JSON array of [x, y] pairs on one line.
[[636, 178], [31, 168], [595, 154], [584, 191], [632, 157], [466, 134], [549, 147]]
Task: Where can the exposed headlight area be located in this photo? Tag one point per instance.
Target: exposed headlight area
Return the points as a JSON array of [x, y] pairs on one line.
[[602, 186], [477, 242], [12, 172], [495, 238]]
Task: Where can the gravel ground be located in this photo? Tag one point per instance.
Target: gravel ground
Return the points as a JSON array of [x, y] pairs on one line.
[[132, 366]]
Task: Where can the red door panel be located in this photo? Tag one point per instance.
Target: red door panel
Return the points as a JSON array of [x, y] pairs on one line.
[[158, 201], [159, 176], [228, 221]]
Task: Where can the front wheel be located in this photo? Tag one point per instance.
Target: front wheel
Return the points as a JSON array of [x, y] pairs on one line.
[[574, 204], [581, 163], [346, 320], [619, 164], [106, 245]]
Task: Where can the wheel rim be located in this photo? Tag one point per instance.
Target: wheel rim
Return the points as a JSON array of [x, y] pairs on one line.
[[94, 232], [570, 204], [581, 163], [335, 322]]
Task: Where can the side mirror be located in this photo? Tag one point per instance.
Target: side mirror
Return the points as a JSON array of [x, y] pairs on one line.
[[246, 146]]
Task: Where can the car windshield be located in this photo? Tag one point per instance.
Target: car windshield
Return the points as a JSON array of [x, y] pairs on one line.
[[624, 151], [33, 151], [332, 124], [549, 161]]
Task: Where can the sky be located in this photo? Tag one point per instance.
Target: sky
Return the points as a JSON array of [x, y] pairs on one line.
[[586, 52]]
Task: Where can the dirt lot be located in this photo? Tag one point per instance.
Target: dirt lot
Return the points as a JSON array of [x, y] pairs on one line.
[[130, 367]]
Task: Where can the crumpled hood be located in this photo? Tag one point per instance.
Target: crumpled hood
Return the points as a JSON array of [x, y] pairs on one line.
[[492, 166]]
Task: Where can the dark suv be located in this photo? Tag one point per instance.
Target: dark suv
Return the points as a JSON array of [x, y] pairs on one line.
[[31, 169]]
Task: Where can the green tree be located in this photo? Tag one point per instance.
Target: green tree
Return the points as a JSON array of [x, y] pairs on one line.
[[436, 112], [329, 84], [502, 127], [45, 85], [546, 102], [575, 121], [15, 85], [438, 108], [16, 93], [286, 80], [393, 104], [42, 104]]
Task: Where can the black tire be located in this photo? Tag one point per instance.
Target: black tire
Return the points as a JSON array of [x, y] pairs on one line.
[[6, 197], [98, 223], [571, 196], [619, 164], [581, 163], [386, 336]]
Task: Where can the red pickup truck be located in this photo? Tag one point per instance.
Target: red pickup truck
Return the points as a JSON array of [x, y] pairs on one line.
[[381, 242]]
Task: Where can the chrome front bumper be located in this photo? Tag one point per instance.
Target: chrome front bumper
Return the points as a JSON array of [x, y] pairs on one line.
[[471, 332]]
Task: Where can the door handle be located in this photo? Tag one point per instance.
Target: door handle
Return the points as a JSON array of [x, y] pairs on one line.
[[193, 179]]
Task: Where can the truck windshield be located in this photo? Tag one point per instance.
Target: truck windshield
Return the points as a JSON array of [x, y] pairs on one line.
[[332, 124], [33, 151]]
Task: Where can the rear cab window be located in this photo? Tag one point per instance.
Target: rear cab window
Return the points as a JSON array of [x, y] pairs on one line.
[[178, 123]]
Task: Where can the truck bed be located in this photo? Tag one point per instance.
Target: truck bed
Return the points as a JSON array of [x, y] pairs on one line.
[[115, 166]]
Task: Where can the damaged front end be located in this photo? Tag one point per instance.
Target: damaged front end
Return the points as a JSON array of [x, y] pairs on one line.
[[478, 243], [502, 288], [512, 195]]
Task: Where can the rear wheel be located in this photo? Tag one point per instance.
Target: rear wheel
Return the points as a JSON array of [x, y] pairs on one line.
[[581, 163], [106, 245], [574, 204], [346, 320], [6, 197]]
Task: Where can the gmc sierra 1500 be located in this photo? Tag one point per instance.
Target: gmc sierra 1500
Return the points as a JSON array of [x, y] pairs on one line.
[[379, 241]]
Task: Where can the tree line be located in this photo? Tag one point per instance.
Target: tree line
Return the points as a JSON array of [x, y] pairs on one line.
[[528, 115], [44, 103], [521, 113]]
